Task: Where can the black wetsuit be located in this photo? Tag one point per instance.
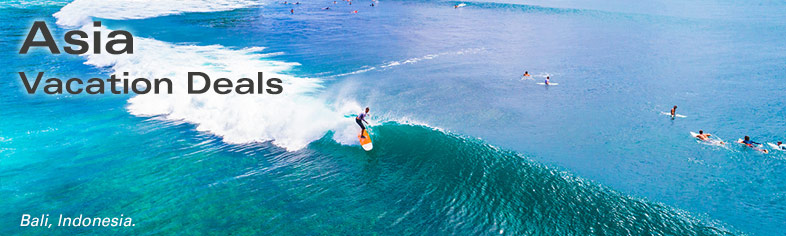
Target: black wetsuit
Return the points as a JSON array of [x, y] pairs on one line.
[[360, 120]]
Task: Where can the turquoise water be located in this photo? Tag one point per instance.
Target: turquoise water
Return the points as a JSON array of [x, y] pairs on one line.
[[463, 145]]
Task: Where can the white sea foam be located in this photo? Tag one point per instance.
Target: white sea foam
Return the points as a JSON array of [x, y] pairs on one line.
[[291, 120], [31, 3], [81, 12]]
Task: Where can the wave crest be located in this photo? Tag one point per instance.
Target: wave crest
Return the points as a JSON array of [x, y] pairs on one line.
[[291, 120], [80, 12]]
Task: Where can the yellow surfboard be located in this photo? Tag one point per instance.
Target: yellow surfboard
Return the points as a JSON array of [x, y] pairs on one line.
[[365, 141]]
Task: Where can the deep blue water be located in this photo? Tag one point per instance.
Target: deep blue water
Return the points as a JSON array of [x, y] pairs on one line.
[[592, 155]]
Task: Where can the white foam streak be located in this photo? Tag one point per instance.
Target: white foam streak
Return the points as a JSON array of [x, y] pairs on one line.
[[391, 64]]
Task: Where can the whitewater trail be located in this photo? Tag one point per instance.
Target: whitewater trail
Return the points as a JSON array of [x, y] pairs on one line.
[[291, 120], [392, 64]]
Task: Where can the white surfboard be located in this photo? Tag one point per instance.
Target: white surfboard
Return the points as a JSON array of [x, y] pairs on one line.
[[711, 140], [776, 147], [542, 83], [675, 115]]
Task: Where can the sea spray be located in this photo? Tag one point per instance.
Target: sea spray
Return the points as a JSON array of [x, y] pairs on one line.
[[292, 119]]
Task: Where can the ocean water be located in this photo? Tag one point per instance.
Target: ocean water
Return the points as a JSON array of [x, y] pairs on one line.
[[463, 144]]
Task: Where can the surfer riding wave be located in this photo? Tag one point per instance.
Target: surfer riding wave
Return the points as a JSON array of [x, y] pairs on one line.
[[360, 119]]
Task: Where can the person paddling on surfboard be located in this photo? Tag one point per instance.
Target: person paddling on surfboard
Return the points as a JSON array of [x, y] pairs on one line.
[[360, 119], [748, 142], [705, 137], [547, 80], [674, 112]]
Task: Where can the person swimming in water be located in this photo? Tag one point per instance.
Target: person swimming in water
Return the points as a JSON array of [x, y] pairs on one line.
[[674, 112], [360, 119], [526, 73], [292, 11]]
